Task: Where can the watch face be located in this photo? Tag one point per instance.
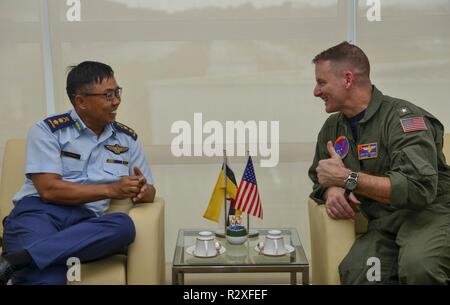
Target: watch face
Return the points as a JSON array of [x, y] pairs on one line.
[[350, 184]]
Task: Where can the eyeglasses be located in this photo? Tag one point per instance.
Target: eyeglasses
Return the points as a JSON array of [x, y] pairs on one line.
[[109, 95]]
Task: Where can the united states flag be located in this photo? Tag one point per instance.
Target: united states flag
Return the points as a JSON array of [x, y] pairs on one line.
[[413, 124], [247, 197]]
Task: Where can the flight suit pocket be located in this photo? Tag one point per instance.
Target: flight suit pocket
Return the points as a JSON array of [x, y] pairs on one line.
[[416, 162], [115, 169]]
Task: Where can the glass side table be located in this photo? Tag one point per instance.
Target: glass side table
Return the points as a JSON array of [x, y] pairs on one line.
[[240, 258]]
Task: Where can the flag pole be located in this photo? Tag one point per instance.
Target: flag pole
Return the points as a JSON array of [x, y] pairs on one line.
[[255, 232], [248, 223], [248, 214], [224, 170]]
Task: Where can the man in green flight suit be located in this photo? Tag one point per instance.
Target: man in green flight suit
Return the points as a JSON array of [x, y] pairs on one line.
[[381, 155]]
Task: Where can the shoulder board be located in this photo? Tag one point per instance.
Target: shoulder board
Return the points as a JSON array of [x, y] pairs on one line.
[[59, 121], [125, 129]]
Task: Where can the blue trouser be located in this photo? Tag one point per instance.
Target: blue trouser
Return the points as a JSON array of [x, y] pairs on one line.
[[52, 233]]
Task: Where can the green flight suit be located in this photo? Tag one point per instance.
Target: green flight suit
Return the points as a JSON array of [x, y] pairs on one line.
[[410, 236]]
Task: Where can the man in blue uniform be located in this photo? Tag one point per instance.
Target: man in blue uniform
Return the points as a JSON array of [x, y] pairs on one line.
[[76, 162]]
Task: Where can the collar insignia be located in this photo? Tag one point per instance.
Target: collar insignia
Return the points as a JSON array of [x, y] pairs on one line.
[[404, 110]]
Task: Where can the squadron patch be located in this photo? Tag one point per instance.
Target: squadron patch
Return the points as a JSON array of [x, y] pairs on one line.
[[367, 151], [341, 146], [59, 121], [413, 124], [116, 148], [125, 129]]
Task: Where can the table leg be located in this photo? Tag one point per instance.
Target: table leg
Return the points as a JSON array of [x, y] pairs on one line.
[[174, 277], [305, 276], [180, 278], [293, 278]]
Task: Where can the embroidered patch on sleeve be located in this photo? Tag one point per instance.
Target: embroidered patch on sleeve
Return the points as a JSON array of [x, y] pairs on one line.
[[413, 124]]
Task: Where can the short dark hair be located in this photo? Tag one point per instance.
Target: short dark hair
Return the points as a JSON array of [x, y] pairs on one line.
[[346, 53], [85, 74]]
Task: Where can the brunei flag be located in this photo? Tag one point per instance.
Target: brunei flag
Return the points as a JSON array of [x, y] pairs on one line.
[[215, 205]]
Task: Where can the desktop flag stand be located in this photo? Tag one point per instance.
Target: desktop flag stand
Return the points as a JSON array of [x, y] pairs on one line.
[[243, 199]]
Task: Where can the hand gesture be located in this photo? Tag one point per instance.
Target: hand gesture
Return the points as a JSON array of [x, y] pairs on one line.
[[143, 187], [125, 187], [332, 172]]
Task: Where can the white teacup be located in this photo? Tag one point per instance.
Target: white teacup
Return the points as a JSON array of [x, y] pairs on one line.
[[274, 243], [205, 245]]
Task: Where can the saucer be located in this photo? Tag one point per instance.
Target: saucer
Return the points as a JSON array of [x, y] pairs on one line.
[[191, 251], [287, 249]]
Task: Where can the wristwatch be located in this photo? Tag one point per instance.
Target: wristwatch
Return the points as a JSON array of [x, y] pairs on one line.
[[350, 183]]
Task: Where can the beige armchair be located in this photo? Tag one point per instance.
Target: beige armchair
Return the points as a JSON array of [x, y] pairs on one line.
[[145, 262], [332, 239]]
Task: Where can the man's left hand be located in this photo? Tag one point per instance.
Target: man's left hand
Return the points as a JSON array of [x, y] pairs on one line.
[[332, 172], [143, 187]]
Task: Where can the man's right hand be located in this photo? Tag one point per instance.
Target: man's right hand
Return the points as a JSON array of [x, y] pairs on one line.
[[336, 204], [126, 187]]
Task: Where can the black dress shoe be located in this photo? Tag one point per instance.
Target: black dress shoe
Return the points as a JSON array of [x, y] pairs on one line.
[[6, 271]]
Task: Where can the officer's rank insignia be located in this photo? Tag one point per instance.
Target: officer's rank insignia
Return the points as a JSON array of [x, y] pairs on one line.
[[59, 121], [117, 161], [413, 124], [341, 146], [404, 110], [367, 151], [78, 125], [125, 129], [116, 148]]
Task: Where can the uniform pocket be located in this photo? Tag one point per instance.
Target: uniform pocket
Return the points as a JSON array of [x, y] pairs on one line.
[[417, 162], [72, 166], [115, 169]]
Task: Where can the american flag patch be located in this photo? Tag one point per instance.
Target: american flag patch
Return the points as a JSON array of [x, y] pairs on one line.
[[413, 124]]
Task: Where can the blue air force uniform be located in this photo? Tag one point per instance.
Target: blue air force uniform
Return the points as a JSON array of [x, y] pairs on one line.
[[50, 232]]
